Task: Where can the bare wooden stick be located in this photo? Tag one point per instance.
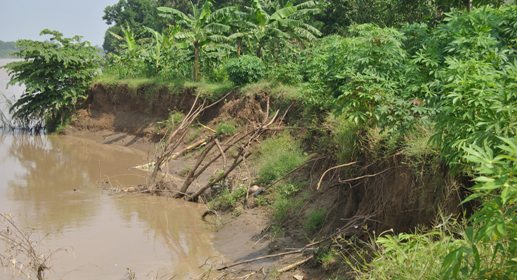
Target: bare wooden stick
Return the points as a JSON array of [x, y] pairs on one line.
[[218, 144], [299, 251], [189, 148], [363, 177], [333, 168], [296, 264]]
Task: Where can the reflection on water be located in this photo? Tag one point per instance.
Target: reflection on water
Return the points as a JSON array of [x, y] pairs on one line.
[[49, 184]]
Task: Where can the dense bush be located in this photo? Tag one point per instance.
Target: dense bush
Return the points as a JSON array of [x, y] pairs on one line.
[[245, 69], [56, 74], [368, 77]]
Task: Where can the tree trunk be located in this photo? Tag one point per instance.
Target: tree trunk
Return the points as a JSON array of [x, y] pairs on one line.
[[239, 47], [197, 70], [468, 4]]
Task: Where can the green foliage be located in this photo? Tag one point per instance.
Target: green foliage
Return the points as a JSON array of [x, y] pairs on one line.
[[56, 74], [366, 76], [225, 129], [476, 79], [409, 256], [314, 220], [490, 241], [278, 156], [287, 189], [135, 14], [174, 119], [281, 207], [328, 259], [288, 74], [343, 137], [203, 30], [417, 145], [227, 200], [245, 69]]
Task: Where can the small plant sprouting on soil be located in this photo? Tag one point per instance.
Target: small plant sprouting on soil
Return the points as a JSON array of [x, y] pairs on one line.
[[225, 128]]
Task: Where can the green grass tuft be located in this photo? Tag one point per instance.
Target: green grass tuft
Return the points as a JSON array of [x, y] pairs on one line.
[[314, 220], [277, 157]]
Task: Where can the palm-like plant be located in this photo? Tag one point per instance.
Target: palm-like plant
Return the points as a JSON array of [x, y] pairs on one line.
[[201, 27], [283, 22]]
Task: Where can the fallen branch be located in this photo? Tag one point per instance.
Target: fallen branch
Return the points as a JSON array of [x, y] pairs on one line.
[[333, 168], [295, 265], [363, 177], [190, 148], [299, 251]]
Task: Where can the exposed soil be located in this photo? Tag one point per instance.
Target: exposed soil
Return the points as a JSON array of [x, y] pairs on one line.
[[390, 196]]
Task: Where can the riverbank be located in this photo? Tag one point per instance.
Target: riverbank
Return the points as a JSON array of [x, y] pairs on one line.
[[294, 207]]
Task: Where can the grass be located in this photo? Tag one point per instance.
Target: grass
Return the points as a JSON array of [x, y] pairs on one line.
[[417, 144], [227, 200], [225, 128], [328, 259], [174, 119], [276, 90], [277, 156], [344, 134], [208, 90], [409, 256], [314, 220]]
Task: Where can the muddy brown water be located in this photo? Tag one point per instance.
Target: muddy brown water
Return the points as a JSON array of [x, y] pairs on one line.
[[50, 186]]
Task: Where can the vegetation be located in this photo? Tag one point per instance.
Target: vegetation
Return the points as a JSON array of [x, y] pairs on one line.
[[431, 81], [56, 74], [278, 156]]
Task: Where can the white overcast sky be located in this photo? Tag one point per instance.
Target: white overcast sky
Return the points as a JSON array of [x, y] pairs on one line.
[[24, 19]]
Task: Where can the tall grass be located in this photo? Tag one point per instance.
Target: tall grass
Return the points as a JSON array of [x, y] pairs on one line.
[[278, 156]]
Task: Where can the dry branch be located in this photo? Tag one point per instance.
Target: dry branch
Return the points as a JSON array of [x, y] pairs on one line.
[[333, 168], [299, 251], [295, 265]]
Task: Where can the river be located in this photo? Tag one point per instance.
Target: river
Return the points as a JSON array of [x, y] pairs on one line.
[[50, 187]]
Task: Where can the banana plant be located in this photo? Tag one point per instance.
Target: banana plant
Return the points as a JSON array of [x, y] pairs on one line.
[[202, 26], [284, 23]]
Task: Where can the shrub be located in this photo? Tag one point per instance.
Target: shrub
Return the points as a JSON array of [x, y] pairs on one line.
[[56, 74], [288, 74], [408, 256], [278, 156], [245, 69]]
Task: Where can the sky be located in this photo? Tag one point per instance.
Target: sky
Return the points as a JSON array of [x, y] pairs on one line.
[[24, 19]]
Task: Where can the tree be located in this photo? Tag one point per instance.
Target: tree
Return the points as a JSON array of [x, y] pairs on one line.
[[135, 14], [203, 26], [282, 22], [56, 74]]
